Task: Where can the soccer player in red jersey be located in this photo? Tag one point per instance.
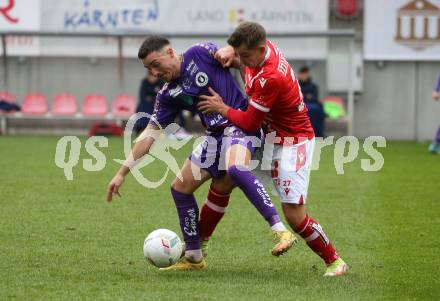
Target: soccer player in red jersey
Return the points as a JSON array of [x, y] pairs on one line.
[[276, 103]]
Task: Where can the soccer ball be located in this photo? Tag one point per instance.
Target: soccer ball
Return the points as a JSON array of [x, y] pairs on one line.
[[162, 248]]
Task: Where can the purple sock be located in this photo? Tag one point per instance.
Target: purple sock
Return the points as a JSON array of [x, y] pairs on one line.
[[255, 192], [188, 212]]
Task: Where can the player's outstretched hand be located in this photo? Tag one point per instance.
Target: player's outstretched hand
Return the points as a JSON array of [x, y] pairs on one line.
[[213, 103], [436, 95], [113, 187], [226, 56]]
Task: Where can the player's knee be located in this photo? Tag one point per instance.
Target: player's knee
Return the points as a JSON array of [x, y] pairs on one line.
[[186, 186], [178, 185], [223, 185], [238, 155]]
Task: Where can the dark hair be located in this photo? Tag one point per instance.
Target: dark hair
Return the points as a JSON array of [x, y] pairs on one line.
[[304, 69], [151, 44], [250, 33]]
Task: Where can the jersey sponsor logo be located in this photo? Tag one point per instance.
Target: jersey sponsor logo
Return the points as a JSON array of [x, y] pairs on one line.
[[192, 67], [214, 119], [190, 227], [262, 82], [263, 193], [202, 79], [286, 191], [191, 64]]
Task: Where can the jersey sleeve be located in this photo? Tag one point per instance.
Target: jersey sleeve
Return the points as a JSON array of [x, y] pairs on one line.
[[249, 120], [164, 112], [265, 93]]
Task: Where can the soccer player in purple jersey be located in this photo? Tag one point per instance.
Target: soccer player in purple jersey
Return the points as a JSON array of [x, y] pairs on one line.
[[187, 77]]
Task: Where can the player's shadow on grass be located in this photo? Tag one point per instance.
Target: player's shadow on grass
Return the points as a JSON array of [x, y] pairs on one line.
[[228, 272]]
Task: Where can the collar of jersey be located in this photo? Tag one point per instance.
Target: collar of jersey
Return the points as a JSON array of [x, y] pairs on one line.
[[266, 56]]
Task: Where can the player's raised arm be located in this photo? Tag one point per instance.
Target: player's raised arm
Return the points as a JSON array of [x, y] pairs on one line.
[[142, 147]]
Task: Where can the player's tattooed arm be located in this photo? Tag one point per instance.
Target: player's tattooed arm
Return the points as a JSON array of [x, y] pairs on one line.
[[213, 103]]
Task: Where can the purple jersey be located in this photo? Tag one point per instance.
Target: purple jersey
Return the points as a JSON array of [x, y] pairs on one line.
[[198, 71]]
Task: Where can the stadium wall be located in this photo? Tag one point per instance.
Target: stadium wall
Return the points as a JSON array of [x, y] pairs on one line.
[[396, 98], [396, 101]]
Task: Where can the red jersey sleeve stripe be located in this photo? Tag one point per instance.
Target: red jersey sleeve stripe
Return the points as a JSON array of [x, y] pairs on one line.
[[258, 106]]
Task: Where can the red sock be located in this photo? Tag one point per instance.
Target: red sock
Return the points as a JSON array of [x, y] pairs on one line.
[[317, 240], [212, 211]]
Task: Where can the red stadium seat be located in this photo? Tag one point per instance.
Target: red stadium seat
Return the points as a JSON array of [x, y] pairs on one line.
[[34, 104], [64, 105], [6, 96], [95, 105], [347, 8], [124, 106]]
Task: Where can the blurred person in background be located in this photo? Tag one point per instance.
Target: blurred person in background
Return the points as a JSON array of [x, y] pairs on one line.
[[311, 98], [434, 147], [150, 85]]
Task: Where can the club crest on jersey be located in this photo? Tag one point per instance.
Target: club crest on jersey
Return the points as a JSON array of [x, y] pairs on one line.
[[201, 79], [187, 83], [262, 82]]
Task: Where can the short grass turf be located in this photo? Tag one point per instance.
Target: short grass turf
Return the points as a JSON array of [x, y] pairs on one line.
[[60, 240]]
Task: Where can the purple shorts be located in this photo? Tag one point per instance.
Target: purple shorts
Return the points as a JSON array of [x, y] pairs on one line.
[[210, 154]]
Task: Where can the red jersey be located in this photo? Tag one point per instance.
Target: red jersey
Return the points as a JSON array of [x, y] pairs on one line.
[[273, 88]]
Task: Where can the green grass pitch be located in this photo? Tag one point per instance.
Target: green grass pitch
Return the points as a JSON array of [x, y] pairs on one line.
[[60, 240]]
